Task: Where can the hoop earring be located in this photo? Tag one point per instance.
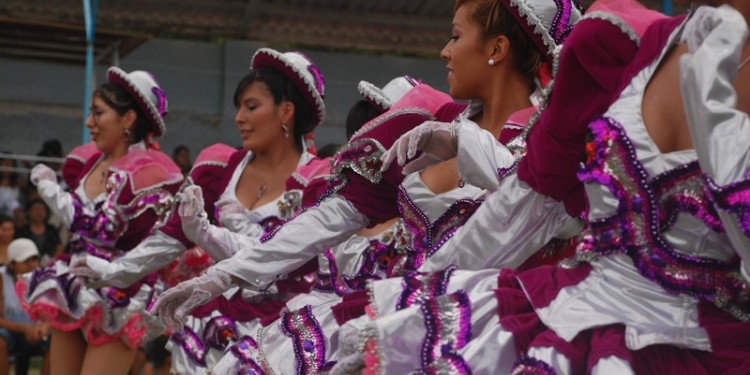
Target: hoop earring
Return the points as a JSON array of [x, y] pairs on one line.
[[491, 62], [128, 136], [285, 130]]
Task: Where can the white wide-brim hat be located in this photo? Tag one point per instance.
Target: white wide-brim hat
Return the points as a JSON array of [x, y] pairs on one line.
[[144, 88], [383, 98]]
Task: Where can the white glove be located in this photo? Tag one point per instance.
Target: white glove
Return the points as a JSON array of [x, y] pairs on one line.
[[436, 140], [153, 253], [227, 207], [90, 269], [175, 303], [192, 213], [217, 242], [42, 172]]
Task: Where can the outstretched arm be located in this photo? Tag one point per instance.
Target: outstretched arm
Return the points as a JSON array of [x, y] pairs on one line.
[[720, 132]]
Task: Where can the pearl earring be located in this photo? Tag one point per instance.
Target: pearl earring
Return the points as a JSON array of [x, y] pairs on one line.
[[491, 62]]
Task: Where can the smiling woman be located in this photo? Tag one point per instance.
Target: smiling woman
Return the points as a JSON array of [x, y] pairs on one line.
[[251, 192], [121, 188]]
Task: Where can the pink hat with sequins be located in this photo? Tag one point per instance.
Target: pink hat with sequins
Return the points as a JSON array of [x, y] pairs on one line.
[[303, 72]]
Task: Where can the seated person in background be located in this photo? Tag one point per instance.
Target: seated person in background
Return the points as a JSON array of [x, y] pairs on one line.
[[19, 336], [45, 236]]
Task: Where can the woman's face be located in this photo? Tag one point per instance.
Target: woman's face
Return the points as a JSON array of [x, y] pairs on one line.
[[465, 56], [107, 127], [27, 265], [259, 118], [7, 231], [38, 212]]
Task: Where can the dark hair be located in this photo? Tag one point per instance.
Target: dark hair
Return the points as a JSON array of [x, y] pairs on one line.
[[12, 175], [120, 100], [359, 114], [4, 219], [51, 147], [178, 149], [34, 201], [281, 89], [494, 19], [328, 150], [157, 351]]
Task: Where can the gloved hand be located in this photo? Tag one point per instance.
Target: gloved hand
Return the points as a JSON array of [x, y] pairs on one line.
[[42, 172], [192, 214], [90, 269], [436, 140], [175, 303]]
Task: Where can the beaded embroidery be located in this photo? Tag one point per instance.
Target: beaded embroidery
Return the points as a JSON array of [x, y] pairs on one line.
[[219, 332], [448, 364], [308, 340], [192, 345], [245, 351], [532, 366], [427, 238], [419, 287], [98, 234], [636, 228], [363, 157], [448, 322]]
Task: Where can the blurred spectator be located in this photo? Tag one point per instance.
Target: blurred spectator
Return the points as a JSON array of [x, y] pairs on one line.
[[45, 236], [19, 336], [12, 188], [181, 157], [52, 148], [328, 150], [7, 232]]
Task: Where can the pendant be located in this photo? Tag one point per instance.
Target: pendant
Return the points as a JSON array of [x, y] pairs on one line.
[[261, 190]]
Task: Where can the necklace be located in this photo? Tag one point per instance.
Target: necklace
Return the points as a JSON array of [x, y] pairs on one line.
[[104, 172], [743, 63], [263, 186]]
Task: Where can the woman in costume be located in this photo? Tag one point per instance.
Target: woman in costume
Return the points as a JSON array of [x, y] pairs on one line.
[[251, 192], [310, 331], [657, 282], [121, 190]]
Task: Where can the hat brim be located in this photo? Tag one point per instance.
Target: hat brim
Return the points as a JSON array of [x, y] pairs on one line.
[[374, 95], [119, 77], [269, 58]]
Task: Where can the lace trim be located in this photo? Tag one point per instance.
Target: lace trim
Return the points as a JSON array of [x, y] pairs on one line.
[[617, 21]]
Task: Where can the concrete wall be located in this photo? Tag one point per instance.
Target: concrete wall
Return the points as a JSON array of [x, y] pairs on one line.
[[39, 101]]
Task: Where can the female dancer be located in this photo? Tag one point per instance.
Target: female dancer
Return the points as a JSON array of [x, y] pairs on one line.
[[122, 189], [430, 221], [250, 192], [657, 283]]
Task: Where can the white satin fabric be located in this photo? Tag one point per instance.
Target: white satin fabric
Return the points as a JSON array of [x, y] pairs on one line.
[[276, 347], [710, 105], [615, 292]]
